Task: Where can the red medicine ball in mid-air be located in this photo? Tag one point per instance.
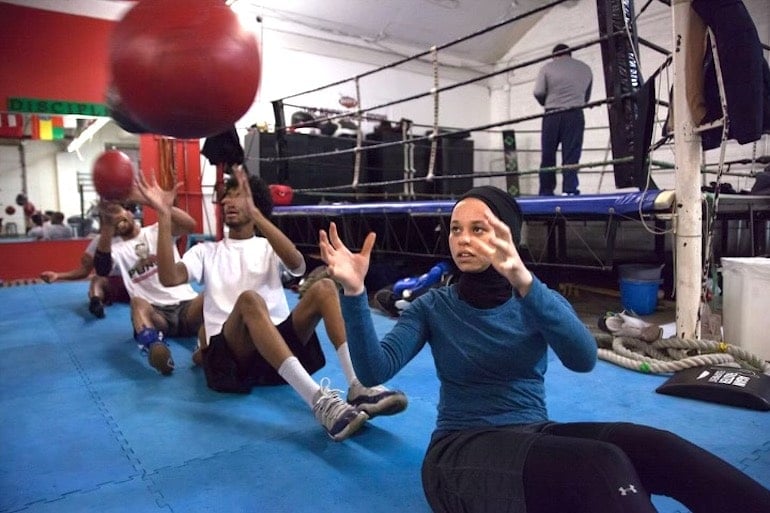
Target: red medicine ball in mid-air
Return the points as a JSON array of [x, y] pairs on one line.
[[113, 175], [184, 69]]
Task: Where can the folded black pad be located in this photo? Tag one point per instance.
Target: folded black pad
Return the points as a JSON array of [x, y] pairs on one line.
[[719, 384]]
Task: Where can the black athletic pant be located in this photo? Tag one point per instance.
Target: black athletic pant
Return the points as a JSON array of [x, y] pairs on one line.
[[581, 468], [565, 128]]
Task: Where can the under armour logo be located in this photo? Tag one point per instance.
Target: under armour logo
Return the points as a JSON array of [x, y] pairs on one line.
[[625, 491]]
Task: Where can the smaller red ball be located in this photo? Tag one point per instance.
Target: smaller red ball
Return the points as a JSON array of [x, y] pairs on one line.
[[113, 175], [281, 194], [10, 210]]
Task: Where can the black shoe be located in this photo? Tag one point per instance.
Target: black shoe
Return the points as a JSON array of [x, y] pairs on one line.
[[96, 307]]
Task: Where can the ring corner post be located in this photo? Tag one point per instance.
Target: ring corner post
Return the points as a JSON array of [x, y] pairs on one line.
[[687, 156]]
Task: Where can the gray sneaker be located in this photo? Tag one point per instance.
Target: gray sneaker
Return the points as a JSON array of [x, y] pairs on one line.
[[338, 417], [376, 400]]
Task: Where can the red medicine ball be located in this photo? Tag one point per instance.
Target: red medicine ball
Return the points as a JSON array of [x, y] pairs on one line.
[[282, 194], [184, 69], [29, 209], [113, 175]]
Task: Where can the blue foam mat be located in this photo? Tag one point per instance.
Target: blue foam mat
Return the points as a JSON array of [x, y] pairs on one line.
[[88, 426]]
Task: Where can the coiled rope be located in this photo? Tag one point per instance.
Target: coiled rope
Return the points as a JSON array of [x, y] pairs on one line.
[[674, 354]]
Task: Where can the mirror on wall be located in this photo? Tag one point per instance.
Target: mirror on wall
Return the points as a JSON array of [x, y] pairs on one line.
[[48, 160]]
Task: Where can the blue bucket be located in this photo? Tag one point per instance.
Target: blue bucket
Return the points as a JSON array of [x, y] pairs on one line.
[[639, 296]]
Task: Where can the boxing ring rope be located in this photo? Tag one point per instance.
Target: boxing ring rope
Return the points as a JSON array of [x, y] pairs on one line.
[[725, 122], [279, 103], [433, 136], [359, 136], [409, 169], [444, 46], [440, 135], [477, 174]]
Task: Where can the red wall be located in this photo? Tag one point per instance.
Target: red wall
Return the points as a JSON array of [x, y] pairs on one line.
[[27, 259], [186, 162], [51, 55]]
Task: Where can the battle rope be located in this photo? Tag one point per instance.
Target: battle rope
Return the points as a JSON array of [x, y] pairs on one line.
[[674, 354]]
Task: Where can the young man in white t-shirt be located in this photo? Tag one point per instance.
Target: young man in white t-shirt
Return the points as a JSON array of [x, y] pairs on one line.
[[157, 312], [251, 337]]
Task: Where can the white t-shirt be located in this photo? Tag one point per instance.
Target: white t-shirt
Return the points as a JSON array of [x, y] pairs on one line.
[[229, 267], [138, 264]]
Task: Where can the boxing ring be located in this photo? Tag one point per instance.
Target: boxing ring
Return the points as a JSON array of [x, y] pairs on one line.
[[420, 228], [401, 163]]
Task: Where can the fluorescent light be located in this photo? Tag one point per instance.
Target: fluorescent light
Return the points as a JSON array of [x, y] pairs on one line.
[[87, 134]]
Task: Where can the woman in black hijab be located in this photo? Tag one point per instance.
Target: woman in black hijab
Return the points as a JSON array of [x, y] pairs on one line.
[[494, 448]]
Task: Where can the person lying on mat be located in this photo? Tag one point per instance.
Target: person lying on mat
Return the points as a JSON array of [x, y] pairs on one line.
[[251, 337], [102, 290], [494, 447], [157, 311]]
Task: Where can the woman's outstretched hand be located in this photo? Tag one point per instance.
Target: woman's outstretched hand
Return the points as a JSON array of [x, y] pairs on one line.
[[345, 267], [504, 256]]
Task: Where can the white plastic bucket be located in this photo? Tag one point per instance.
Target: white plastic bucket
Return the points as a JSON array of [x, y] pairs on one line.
[[746, 304]]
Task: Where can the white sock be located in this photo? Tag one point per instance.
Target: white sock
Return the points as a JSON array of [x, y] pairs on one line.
[[295, 375], [347, 366]]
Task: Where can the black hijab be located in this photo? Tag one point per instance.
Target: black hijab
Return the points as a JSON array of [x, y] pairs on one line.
[[489, 288]]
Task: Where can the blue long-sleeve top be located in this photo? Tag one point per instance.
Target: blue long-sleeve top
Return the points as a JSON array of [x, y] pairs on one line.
[[491, 363]]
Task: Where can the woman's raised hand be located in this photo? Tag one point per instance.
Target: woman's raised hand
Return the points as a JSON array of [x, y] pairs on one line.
[[347, 268]]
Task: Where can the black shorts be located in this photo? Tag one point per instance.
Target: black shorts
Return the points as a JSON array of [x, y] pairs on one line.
[[224, 374]]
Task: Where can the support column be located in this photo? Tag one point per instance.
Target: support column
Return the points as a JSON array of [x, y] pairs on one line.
[[687, 157]]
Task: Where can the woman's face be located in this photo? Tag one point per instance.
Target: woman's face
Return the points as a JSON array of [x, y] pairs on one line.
[[467, 227]]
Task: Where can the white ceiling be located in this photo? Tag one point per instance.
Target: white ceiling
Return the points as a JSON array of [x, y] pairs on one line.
[[401, 27]]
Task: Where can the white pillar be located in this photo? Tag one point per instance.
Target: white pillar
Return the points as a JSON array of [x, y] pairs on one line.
[[687, 156]]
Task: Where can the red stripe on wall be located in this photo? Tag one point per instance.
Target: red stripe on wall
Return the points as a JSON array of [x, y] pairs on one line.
[[69, 63]]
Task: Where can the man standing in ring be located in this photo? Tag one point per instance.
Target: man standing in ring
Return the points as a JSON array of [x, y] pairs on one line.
[[564, 83]]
